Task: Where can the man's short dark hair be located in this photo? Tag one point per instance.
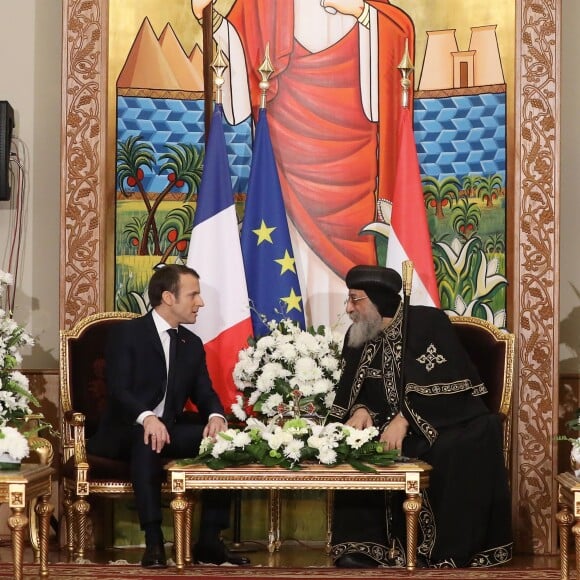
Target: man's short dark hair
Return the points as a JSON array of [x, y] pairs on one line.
[[167, 279]]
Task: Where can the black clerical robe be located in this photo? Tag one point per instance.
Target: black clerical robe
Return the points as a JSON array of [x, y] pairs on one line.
[[465, 517]]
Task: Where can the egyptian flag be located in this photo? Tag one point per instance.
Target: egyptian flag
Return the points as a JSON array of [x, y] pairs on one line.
[[224, 323], [409, 237]]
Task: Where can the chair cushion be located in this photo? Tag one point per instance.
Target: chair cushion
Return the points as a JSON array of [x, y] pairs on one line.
[[101, 468]]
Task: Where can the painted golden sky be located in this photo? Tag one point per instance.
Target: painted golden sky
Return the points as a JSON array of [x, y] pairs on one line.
[[126, 16]]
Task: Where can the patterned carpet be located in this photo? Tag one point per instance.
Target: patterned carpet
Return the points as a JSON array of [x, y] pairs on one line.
[[116, 571]]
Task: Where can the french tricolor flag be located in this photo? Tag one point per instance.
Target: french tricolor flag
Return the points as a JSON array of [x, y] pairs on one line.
[[409, 237], [224, 323]]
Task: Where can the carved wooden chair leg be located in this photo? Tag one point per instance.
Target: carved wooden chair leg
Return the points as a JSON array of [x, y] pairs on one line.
[[81, 509], [43, 512], [67, 505]]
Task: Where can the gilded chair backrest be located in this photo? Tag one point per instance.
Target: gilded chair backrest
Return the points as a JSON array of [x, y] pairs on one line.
[[492, 352], [82, 366]]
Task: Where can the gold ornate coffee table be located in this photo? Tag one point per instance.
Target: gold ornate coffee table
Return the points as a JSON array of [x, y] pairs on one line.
[[18, 488], [408, 477]]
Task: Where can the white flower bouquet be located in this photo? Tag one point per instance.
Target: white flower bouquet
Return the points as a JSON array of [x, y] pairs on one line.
[[288, 372], [15, 396], [298, 440]]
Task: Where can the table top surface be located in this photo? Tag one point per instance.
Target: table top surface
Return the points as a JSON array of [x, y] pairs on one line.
[[569, 480], [25, 472], [309, 476], [309, 468]]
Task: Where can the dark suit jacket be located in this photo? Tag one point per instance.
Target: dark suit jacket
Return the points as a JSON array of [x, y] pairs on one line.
[[136, 378]]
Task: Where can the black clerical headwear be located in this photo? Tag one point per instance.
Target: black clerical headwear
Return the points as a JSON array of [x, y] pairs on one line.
[[382, 286]]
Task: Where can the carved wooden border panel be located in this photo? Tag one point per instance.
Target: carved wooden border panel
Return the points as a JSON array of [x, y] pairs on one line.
[[83, 193], [535, 267]]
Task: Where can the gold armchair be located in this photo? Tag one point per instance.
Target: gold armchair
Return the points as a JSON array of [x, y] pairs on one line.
[[492, 352], [83, 400]]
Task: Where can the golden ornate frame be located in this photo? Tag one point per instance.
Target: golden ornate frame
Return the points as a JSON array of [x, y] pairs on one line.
[[534, 266]]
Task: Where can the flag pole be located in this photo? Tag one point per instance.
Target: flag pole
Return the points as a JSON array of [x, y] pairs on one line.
[[219, 66], [406, 68], [407, 271], [266, 70], [207, 44]]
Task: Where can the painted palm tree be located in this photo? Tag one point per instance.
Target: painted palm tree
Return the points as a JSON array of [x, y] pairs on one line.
[[495, 244], [176, 229], [133, 155], [439, 194], [489, 188], [469, 183], [184, 166], [465, 218]]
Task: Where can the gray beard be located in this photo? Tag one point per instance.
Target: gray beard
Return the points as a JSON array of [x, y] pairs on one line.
[[364, 330]]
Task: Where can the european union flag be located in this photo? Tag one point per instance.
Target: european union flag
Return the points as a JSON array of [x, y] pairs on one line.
[[273, 286]]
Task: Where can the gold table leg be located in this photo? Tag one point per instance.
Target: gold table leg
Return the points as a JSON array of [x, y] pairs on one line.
[[565, 520], [17, 522], [179, 508], [187, 532], [576, 534], [329, 518], [274, 542], [412, 507]]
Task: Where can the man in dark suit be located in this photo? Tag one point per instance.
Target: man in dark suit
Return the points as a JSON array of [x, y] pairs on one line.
[[149, 380]]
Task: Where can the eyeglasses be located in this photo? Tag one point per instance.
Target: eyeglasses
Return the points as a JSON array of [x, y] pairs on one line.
[[354, 299]]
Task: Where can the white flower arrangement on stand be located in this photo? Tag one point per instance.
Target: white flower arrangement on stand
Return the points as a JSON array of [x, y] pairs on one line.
[[298, 440], [288, 372], [15, 395]]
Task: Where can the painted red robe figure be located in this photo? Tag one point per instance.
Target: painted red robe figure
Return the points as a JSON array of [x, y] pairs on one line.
[[334, 101]]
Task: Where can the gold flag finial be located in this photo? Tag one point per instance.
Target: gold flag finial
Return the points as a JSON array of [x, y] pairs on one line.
[[406, 67], [266, 70], [219, 66], [407, 276]]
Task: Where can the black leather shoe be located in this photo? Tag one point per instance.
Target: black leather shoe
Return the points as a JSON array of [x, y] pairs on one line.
[[154, 557], [217, 553], [356, 561]]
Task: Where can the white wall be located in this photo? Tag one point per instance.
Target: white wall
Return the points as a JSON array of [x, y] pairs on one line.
[[30, 80]]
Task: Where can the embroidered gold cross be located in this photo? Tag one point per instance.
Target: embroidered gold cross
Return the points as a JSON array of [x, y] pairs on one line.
[[431, 358]]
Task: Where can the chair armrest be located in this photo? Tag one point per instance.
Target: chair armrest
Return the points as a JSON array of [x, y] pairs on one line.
[[43, 448], [73, 434]]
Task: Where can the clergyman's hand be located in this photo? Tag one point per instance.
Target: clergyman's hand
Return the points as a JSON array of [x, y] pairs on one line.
[[215, 425], [155, 433], [360, 419], [395, 432]]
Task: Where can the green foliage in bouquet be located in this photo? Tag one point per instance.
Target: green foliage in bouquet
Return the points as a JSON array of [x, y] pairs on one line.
[[298, 440]]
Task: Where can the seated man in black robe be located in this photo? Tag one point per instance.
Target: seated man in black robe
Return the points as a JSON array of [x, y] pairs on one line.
[[441, 419]]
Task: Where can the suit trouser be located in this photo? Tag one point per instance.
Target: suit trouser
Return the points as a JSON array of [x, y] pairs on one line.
[[147, 475]]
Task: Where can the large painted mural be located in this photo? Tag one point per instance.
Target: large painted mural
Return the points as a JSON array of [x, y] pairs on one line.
[[333, 107], [97, 37]]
